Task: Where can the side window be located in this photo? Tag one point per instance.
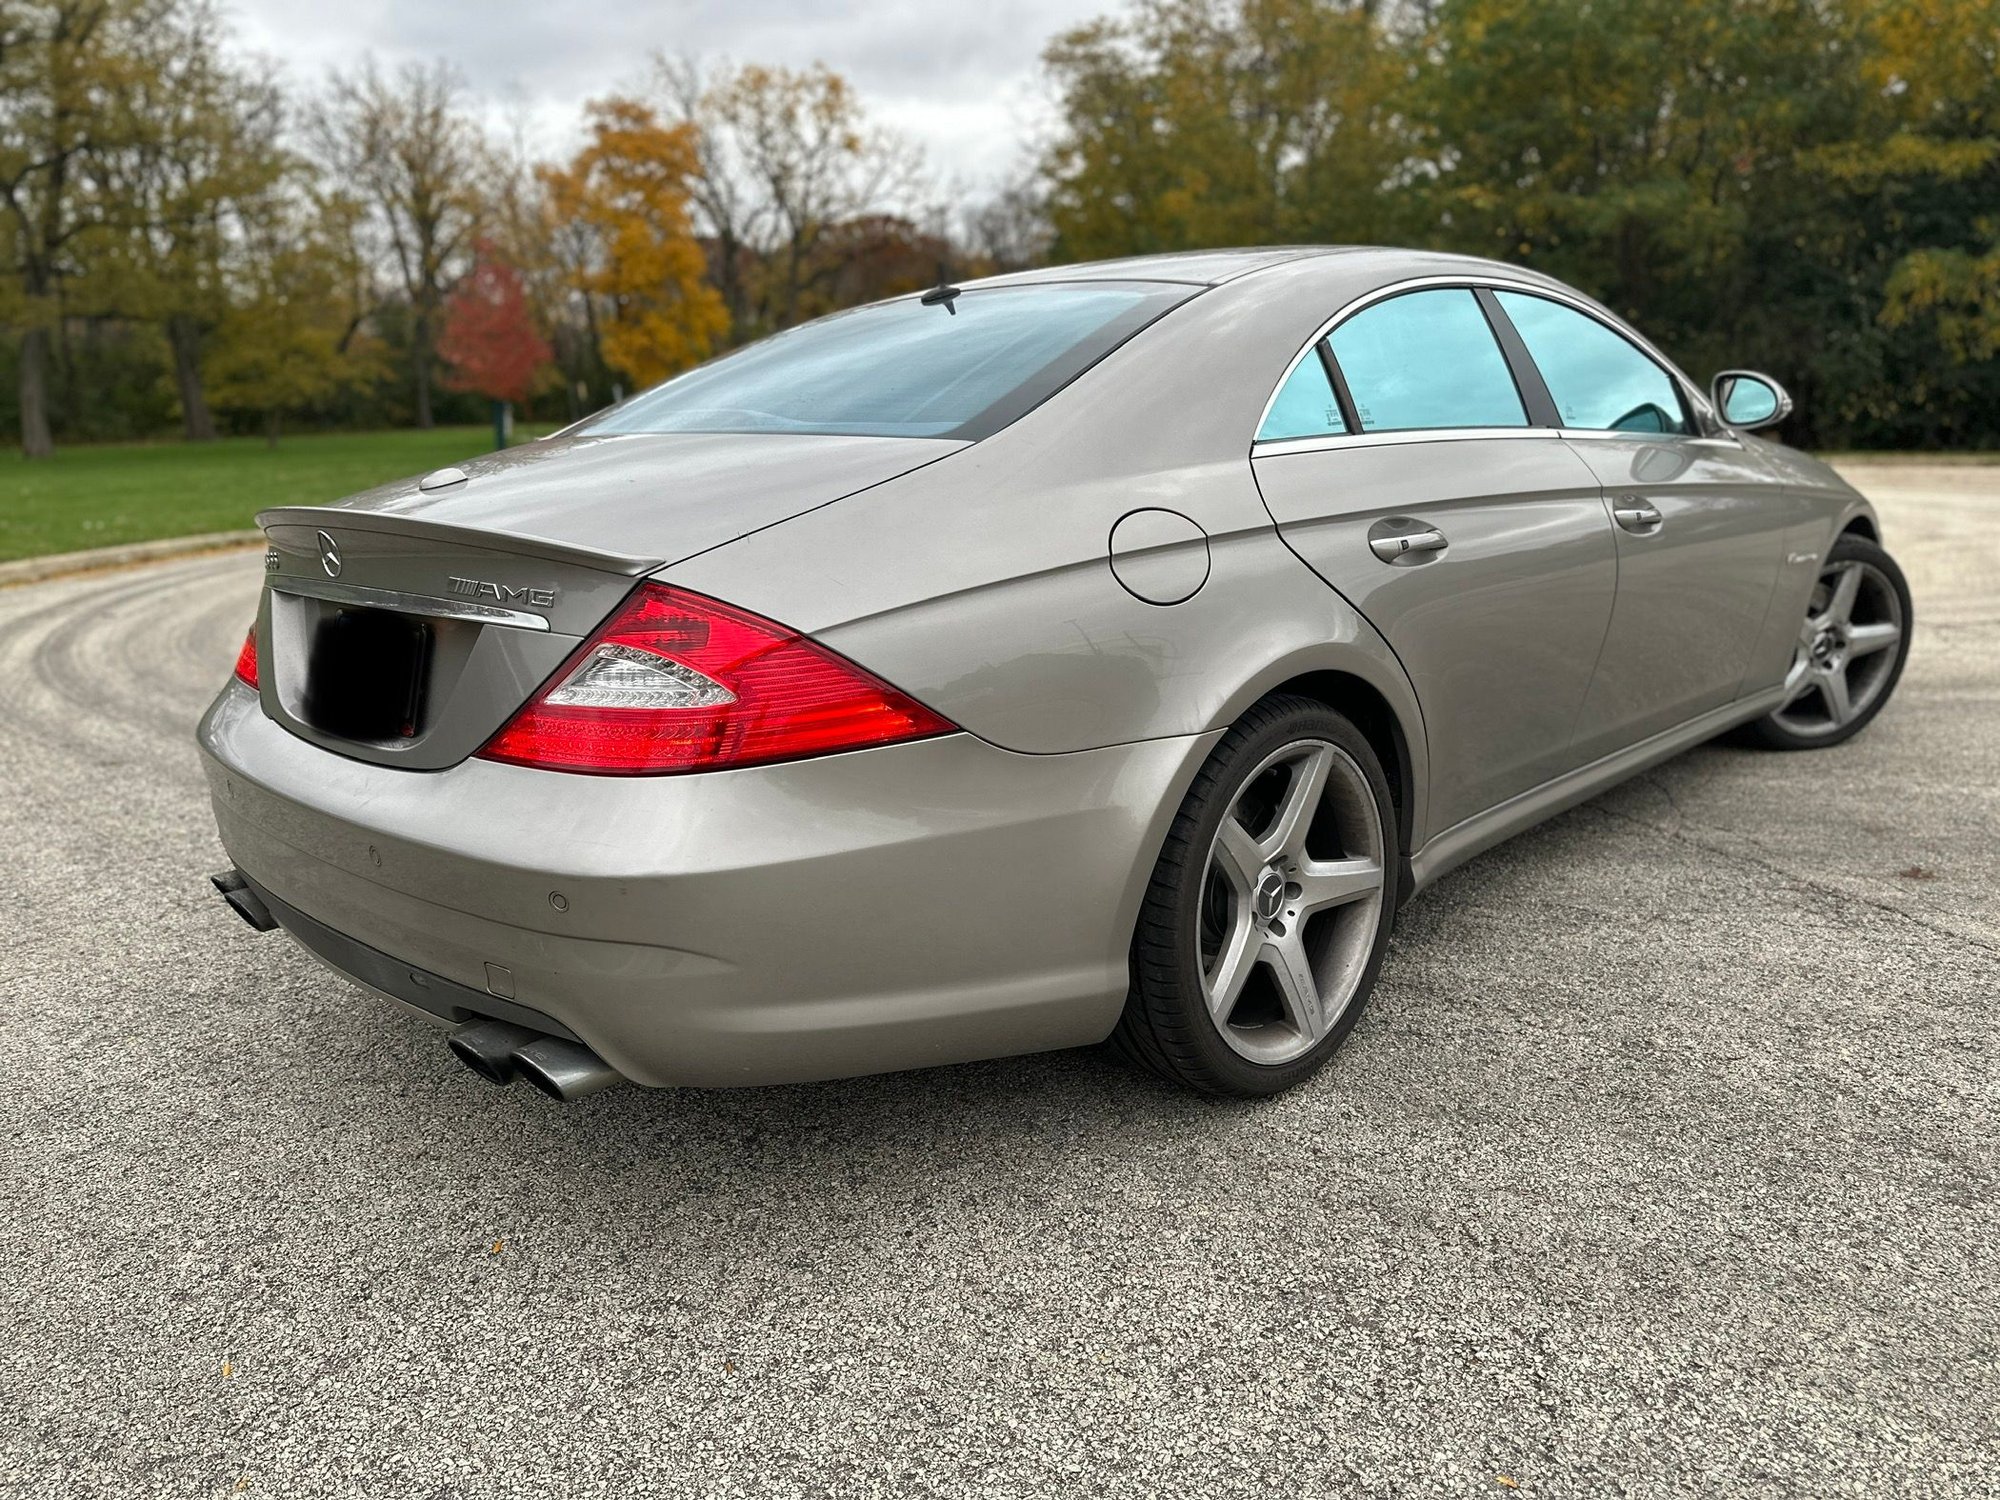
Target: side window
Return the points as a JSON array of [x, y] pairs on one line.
[[1426, 359], [1306, 406], [1598, 380]]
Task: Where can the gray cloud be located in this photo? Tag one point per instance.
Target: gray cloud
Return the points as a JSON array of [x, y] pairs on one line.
[[963, 80]]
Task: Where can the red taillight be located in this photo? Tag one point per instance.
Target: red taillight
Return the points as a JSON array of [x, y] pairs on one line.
[[246, 660], [677, 682]]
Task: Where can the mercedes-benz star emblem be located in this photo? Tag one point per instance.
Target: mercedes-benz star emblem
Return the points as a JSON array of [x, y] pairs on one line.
[[329, 554], [1270, 895]]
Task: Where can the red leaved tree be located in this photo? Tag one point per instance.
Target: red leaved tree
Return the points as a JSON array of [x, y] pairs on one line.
[[489, 339]]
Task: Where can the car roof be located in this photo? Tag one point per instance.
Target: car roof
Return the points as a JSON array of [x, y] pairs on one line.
[[1214, 267], [1195, 267]]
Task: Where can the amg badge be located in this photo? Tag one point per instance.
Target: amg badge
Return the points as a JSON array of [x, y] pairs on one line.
[[500, 593]]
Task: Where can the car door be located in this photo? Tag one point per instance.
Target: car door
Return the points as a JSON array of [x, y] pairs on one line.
[[1399, 462], [1699, 524]]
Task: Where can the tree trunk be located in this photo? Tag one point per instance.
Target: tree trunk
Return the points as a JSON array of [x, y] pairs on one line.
[[184, 338], [595, 348], [729, 281], [420, 355], [271, 427], [36, 441]]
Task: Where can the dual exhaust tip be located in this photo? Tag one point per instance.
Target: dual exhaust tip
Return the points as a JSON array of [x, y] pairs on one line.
[[497, 1051], [500, 1052]]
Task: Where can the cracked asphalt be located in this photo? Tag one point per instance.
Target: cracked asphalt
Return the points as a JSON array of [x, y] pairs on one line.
[[1663, 1163]]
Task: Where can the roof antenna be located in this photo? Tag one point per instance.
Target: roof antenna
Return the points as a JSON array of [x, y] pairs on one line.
[[943, 292]]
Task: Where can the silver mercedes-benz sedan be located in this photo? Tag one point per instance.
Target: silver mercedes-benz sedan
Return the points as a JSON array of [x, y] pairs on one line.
[[1098, 652]]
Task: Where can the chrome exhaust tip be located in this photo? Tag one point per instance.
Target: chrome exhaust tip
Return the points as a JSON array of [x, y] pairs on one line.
[[564, 1070], [488, 1048]]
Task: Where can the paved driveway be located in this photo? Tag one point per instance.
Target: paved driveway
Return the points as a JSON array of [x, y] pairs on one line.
[[1664, 1162]]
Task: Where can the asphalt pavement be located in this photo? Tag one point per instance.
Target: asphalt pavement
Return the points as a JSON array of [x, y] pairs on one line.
[[1664, 1163]]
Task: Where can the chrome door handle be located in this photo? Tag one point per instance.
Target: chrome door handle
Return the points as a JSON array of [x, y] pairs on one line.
[[1636, 515], [1389, 548]]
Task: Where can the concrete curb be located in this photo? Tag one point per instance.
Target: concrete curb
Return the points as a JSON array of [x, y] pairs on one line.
[[35, 569]]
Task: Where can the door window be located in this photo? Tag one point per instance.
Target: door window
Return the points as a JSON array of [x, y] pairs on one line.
[[1599, 381], [1426, 359], [1306, 406]]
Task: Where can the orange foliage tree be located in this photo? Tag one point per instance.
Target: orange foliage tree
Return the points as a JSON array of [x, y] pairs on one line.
[[640, 263]]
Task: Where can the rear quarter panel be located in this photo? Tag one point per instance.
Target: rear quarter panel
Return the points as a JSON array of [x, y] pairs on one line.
[[982, 583]]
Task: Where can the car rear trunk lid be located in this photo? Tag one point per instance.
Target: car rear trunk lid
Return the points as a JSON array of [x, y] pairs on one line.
[[411, 647], [406, 626]]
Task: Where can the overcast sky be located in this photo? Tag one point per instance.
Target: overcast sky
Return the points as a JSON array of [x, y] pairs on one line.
[[962, 79]]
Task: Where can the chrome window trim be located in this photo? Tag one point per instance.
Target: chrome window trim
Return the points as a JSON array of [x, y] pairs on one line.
[[1697, 401], [1721, 439], [1279, 447], [409, 604]]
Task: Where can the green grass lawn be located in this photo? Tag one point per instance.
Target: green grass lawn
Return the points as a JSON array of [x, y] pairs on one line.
[[101, 495]]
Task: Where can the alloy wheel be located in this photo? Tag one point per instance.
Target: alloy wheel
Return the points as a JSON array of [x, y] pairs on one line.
[[1846, 654], [1291, 898]]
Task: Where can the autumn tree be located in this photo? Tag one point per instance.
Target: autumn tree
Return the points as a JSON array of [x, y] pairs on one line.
[[205, 162], [293, 335], [67, 74], [406, 145], [784, 156], [1813, 188], [523, 231], [1010, 231], [1938, 65], [626, 197], [1743, 177], [884, 255], [1188, 124], [1956, 292], [489, 339]]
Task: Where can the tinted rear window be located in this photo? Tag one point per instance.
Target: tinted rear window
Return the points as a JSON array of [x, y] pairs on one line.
[[900, 369], [1305, 404], [1426, 359]]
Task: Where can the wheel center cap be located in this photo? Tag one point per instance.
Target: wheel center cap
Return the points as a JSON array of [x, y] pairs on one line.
[[1269, 899]]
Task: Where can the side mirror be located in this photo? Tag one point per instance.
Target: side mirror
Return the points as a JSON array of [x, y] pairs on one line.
[[1748, 400]]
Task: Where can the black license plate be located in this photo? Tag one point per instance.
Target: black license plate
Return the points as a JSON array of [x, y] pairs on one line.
[[365, 675]]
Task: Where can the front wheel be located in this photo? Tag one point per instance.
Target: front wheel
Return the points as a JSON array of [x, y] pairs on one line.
[[1270, 908], [1850, 651]]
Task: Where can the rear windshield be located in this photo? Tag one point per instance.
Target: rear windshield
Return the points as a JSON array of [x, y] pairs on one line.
[[901, 369]]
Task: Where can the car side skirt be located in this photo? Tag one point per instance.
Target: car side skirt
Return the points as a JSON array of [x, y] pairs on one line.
[[1457, 844]]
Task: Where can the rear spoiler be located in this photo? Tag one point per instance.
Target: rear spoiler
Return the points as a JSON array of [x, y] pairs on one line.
[[324, 516]]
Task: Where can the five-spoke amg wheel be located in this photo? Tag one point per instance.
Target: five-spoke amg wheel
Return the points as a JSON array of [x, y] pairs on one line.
[[1850, 650], [1270, 908]]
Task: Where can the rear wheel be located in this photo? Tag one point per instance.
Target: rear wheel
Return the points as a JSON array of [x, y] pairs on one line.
[[1270, 908], [1850, 651]]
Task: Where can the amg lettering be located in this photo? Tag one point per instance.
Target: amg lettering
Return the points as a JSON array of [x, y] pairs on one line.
[[503, 593]]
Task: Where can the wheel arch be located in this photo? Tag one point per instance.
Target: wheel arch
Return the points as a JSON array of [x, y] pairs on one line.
[[1359, 677], [1356, 674], [1854, 513], [1363, 705]]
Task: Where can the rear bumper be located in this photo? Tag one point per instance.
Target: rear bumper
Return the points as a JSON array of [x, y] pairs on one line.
[[896, 908]]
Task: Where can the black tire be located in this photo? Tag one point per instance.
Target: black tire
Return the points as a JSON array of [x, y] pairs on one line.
[[1166, 1025], [1781, 729]]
